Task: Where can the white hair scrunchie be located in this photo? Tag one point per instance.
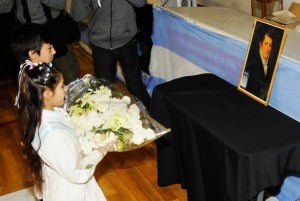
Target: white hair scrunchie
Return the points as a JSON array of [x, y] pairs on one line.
[[29, 64]]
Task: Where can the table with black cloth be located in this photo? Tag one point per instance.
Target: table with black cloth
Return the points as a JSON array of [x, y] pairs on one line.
[[223, 145]]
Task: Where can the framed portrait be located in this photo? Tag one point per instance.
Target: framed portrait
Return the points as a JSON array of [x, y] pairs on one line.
[[262, 58]]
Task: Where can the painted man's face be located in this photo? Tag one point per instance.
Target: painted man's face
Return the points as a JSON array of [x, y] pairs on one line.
[[266, 46]]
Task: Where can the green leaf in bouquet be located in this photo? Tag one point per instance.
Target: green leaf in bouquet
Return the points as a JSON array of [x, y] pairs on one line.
[[76, 110], [120, 146], [100, 130], [89, 166]]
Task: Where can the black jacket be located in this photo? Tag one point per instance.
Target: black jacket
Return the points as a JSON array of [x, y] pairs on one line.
[[258, 83]]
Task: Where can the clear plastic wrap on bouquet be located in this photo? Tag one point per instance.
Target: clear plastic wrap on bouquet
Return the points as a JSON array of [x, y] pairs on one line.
[[102, 114]]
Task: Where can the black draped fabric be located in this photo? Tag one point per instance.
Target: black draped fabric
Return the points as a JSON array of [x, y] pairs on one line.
[[223, 145]]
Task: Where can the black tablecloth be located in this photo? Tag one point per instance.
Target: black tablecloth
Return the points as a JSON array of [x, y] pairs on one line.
[[223, 145]]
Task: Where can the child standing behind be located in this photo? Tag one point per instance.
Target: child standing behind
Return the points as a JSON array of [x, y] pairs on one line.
[[55, 162], [31, 42]]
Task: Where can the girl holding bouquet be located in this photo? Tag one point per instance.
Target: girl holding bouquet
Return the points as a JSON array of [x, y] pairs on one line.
[[56, 165]]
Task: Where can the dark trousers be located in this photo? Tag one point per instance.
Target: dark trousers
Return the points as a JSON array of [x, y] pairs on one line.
[[9, 66], [144, 22], [105, 61]]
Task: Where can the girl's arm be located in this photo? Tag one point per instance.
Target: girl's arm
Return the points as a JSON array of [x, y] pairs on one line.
[[61, 153], [96, 156]]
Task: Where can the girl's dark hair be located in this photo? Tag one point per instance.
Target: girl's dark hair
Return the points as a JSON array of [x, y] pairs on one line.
[[27, 37], [33, 81]]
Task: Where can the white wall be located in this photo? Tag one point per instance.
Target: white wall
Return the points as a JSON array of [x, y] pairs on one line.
[[242, 5], [287, 3]]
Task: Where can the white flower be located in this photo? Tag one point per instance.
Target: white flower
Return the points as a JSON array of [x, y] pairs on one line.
[[87, 146], [137, 139], [149, 134], [115, 121], [100, 118]]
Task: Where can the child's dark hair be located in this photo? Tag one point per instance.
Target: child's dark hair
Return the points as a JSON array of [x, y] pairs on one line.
[[34, 79], [26, 37]]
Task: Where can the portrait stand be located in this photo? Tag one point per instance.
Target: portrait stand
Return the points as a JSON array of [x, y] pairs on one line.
[[262, 58]]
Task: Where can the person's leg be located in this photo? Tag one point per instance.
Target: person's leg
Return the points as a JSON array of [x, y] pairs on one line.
[[129, 61], [4, 61], [68, 65], [104, 63], [9, 66], [144, 20]]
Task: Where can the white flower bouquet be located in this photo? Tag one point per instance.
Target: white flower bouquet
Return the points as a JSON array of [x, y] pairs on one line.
[[102, 115]]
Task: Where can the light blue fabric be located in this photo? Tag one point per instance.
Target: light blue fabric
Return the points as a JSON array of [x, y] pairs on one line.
[[84, 34], [151, 82], [290, 190], [223, 56]]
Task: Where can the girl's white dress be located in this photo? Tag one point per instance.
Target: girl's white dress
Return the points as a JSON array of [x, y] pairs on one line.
[[65, 176]]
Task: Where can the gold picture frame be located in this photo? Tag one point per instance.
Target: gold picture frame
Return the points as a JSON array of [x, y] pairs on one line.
[[262, 58]]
